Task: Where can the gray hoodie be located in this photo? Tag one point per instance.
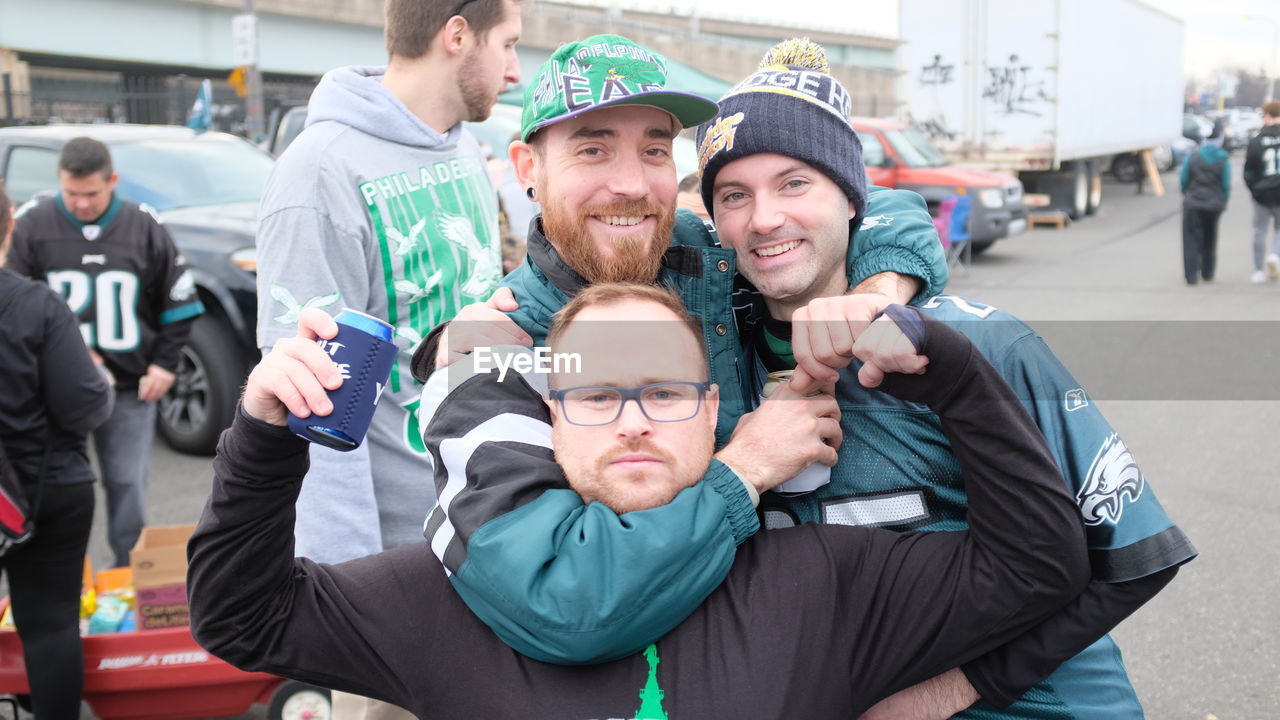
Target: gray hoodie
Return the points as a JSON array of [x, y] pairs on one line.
[[371, 209]]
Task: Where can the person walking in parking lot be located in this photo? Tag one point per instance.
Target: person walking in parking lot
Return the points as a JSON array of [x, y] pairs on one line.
[[118, 269], [1262, 175], [1206, 185], [383, 204]]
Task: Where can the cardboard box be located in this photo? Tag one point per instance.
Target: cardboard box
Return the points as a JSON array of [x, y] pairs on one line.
[[159, 566]]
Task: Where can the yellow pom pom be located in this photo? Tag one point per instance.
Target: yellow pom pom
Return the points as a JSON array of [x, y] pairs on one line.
[[800, 52]]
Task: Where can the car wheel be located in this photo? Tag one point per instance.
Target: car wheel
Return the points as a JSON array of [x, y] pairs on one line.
[[1126, 167], [202, 401], [294, 700]]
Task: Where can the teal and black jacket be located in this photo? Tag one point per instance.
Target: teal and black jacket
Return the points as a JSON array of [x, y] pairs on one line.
[[1205, 179], [570, 583]]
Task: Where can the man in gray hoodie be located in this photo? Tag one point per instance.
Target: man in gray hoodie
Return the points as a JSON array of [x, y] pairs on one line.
[[383, 205]]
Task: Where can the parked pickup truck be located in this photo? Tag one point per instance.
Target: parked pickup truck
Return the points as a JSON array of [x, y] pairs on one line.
[[898, 156]]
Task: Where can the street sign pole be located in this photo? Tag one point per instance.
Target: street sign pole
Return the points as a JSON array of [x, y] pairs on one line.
[[244, 37]]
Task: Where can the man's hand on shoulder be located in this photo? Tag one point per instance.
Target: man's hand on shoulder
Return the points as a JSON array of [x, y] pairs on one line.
[[481, 325], [295, 375]]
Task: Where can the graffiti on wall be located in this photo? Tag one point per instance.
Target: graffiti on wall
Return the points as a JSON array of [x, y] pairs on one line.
[[935, 128], [937, 73], [1012, 90]]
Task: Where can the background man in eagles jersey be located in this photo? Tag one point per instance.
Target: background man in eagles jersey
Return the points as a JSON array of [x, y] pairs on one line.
[[877, 609], [119, 271]]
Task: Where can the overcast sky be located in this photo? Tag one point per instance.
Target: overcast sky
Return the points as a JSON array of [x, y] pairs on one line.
[[1218, 35]]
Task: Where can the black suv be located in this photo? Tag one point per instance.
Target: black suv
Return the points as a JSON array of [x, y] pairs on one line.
[[206, 188]]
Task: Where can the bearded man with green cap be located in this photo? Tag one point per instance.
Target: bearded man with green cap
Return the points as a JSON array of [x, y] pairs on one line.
[[599, 118]]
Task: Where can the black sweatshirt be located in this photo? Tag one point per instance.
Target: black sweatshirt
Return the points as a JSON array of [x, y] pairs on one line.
[[50, 392], [815, 621]]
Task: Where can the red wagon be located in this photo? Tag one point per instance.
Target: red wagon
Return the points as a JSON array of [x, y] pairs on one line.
[[165, 675]]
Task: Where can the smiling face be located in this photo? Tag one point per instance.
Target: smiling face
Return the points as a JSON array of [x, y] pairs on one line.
[[606, 180], [632, 463], [788, 224]]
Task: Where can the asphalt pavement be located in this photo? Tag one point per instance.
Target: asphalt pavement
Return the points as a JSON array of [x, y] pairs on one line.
[[1176, 369]]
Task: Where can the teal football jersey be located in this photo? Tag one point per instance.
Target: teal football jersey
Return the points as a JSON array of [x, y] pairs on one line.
[[896, 471]]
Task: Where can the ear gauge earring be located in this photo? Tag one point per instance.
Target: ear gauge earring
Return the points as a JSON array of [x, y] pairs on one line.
[[532, 194]]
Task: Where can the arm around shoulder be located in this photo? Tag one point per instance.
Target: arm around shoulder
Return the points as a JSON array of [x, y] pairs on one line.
[[898, 235]]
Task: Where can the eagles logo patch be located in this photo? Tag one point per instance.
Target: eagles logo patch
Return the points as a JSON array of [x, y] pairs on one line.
[[1113, 476]]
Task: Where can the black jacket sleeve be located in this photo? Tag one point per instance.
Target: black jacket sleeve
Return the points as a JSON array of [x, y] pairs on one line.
[[920, 604], [1006, 674], [257, 607], [76, 393]]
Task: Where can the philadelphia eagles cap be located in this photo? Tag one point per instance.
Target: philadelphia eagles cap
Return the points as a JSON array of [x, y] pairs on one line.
[[602, 71]]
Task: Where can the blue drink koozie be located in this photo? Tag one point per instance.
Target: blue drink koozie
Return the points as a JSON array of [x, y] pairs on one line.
[[364, 353]]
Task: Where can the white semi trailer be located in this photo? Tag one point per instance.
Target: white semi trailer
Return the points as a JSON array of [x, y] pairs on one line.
[[1049, 89]]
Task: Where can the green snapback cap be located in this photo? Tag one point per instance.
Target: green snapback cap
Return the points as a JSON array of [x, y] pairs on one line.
[[602, 71]]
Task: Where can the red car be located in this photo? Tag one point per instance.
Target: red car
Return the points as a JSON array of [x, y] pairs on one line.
[[898, 156]]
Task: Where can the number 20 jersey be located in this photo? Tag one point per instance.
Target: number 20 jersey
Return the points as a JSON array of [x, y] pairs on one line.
[[121, 275]]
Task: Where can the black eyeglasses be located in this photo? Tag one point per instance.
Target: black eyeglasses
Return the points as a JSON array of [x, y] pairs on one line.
[[602, 404]]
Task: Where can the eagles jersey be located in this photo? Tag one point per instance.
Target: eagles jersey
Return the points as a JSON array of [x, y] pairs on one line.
[[897, 471], [121, 275]]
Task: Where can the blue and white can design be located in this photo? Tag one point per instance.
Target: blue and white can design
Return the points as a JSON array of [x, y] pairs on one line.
[[364, 354]]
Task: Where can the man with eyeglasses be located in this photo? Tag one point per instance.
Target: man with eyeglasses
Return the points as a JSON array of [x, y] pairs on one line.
[[633, 430], [383, 204]]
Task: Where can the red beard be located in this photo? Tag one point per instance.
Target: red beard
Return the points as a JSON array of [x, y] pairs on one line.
[[637, 259]]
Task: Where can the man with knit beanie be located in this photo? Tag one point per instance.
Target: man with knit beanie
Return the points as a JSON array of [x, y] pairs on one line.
[[782, 176]]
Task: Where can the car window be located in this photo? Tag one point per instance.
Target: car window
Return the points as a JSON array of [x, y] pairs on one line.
[[30, 170], [872, 150], [291, 126], [208, 170], [915, 149]]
